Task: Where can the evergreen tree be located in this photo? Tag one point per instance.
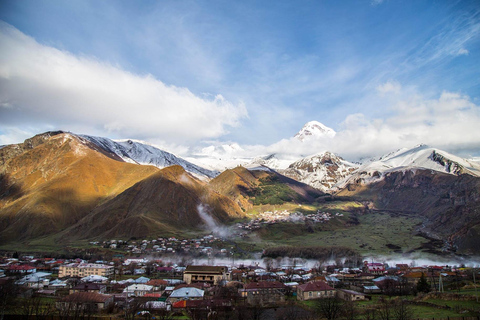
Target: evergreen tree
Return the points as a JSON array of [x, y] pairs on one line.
[[423, 285]]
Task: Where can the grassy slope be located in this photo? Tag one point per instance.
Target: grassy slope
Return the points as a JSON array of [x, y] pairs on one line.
[[371, 235]]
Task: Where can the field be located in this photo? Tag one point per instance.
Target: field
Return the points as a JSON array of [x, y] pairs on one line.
[[375, 232]]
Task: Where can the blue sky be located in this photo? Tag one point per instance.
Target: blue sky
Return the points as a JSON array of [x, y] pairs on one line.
[[188, 73]]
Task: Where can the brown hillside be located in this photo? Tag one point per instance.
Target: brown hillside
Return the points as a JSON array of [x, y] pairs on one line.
[[163, 204], [240, 185], [449, 205], [53, 180]]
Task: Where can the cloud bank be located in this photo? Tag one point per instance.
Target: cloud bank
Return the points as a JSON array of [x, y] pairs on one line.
[[49, 88]]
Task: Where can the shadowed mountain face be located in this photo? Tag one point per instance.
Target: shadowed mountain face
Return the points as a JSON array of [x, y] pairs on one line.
[[55, 180], [449, 205]]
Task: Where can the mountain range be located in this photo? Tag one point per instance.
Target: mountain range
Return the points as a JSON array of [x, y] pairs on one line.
[[71, 187]]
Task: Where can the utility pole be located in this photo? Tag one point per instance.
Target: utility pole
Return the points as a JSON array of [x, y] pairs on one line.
[[475, 283]]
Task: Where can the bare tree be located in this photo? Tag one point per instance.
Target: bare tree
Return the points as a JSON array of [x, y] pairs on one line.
[[330, 308], [8, 292], [402, 311]]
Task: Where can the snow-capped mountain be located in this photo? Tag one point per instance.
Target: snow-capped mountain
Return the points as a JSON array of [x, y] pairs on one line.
[[314, 129], [321, 171], [143, 153], [419, 157], [274, 161]]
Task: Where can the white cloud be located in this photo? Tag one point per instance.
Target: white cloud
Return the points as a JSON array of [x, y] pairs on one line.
[[449, 122], [48, 87], [389, 87], [462, 52]]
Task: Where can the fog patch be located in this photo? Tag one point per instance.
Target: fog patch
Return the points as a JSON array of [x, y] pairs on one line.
[[211, 224]]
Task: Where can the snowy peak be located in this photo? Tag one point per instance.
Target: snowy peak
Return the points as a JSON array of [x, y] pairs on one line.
[[314, 129], [419, 157], [322, 171], [273, 161], [145, 154]]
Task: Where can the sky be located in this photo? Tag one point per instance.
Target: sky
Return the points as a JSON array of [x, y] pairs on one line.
[[183, 75]]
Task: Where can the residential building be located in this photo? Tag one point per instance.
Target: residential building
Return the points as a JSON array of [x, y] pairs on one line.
[[87, 301], [350, 295], [209, 274], [314, 290], [264, 292], [85, 269], [186, 293], [138, 290]]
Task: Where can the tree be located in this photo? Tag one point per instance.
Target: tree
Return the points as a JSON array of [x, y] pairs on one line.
[[330, 308], [402, 311], [423, 285], [8, 292]]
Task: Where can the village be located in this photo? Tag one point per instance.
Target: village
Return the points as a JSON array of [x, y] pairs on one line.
[[142, 287], [213, 245]]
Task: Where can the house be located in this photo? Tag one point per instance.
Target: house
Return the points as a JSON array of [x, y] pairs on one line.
[[373, 268], [264, 292], [37, 280], [22, 269], [210, 274], [314, 290], [186, 293], [350, 295], [158, 284], [88, 301], [138, 290], [89, 287]]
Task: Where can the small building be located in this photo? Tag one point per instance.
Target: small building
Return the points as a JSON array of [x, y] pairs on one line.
[[314, 290], [87, 301], [186, 293], [374, 267], [264, 292], [210, 274], [89, 287], [350, 295], [138, 290]]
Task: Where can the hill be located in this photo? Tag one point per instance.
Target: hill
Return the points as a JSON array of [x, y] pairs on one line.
[[56, 180]]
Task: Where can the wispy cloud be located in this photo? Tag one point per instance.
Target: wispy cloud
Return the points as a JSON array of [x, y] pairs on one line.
[[55, 88]]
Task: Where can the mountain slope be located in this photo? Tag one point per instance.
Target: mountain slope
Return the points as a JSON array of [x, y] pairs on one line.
[[142, 153], [321, 171], [419, 157], [261, 185], [441, 189], [167, 202], [52, 180]]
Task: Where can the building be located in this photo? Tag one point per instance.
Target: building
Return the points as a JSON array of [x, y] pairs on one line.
[[350, 295], [89, 287], [186, 293], [314, 290], [373, 268], [86, 301], [209, 274], [138, 290], [85, 269], [264, 292]]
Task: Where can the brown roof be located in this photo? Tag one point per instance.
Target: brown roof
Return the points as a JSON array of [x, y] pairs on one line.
[[315, 286], [264, 285], [157, 282], [86, 297], [209, 269]]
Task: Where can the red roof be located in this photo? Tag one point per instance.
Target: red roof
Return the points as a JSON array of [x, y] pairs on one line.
[[21, 267], [153, 295], [315, 286]]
